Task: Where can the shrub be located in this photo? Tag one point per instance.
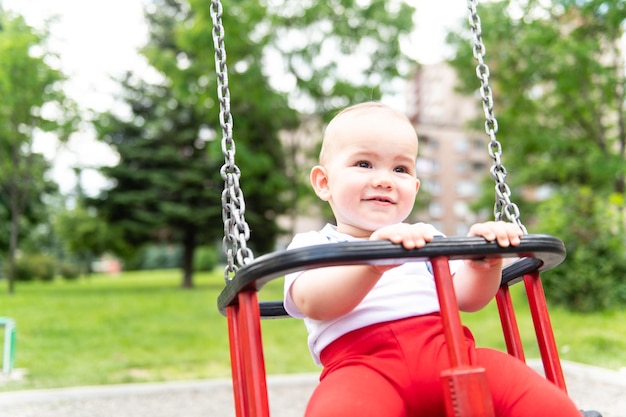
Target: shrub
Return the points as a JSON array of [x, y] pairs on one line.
[[69, 271], [591, 277], [29, 267], [162, 257], [205, 259]]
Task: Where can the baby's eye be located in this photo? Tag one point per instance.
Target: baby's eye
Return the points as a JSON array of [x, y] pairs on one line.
[[402, 170], [363, 164]]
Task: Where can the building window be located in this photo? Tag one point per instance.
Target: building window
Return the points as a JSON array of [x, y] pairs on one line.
[[461, 145], [479, 167], [427, 166], [467, 189], [461, 210], [433, 187], [435, 210], [461, 167], [424, 166]]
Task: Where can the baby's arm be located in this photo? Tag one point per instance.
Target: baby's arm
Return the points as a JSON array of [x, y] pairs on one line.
[[331, 292], [477, 281]]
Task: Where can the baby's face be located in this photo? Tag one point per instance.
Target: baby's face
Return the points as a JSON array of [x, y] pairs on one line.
[[370, 158]]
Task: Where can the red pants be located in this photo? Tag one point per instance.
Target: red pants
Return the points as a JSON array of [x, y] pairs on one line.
[[393, 370]]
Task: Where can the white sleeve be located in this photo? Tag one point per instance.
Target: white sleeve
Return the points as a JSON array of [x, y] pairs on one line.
[[299, 241]]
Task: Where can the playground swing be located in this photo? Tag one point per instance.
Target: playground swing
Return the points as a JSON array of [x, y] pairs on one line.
[[464, 385]]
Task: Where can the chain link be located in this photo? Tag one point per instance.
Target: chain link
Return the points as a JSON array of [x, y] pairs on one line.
[[236, 229], [503, 205]]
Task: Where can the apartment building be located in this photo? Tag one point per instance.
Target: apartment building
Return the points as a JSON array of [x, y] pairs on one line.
[[453, 161]]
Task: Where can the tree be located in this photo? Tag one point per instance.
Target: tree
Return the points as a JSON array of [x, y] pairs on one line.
[[166, 188], [168, 183], [32, 102], [559, 91], [83, 234]]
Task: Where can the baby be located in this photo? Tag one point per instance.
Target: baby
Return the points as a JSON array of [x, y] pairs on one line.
[[376, 329]]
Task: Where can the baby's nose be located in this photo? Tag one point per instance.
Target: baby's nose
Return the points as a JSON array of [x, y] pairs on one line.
[[382, 181]]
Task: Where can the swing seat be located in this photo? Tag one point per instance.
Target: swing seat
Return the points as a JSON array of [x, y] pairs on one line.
[[239, 303]]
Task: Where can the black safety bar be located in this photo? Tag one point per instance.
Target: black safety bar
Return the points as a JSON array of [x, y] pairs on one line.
[[537, 253]]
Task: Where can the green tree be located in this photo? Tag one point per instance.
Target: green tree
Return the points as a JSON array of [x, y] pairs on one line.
[[559, 92], [32, 102], [83, 234], [168, 184], [592, 277]]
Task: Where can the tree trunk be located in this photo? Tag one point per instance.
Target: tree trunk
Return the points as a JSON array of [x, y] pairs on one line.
[[15, 221], [189, 248]]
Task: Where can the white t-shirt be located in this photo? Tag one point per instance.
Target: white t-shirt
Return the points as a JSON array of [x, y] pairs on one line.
[[405, 291]]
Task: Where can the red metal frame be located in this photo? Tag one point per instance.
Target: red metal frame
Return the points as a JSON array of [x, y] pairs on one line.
[[246, 352], [465, 386], [236, 361], [510, 328], [543, 330]]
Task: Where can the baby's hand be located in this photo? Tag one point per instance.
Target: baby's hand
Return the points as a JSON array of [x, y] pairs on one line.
[[411, 236], [506, 234]]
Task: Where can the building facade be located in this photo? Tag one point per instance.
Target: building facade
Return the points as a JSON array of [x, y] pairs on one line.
[[453, 162]]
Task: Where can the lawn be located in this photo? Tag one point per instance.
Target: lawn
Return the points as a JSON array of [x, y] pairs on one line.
[[141, 327]]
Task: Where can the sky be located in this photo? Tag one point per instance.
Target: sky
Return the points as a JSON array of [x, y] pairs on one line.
[[97, 39]]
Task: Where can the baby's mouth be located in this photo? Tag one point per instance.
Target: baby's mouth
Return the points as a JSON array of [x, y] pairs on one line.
[[380, 200]]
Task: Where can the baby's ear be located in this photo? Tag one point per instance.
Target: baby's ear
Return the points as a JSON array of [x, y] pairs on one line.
[[319, 181]]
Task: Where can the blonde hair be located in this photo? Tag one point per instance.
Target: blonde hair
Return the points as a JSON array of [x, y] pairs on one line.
[[355, 109]]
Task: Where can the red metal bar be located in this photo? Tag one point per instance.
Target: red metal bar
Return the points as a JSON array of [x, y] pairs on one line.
[[450, 313], [465, 387], [543, 330], [510, 328], [252, 353], [236, 361], [467, 393]]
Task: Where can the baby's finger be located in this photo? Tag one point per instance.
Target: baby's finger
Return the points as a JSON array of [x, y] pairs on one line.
[[483, 230]]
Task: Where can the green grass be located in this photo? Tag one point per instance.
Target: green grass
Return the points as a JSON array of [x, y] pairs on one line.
[[141, 327], [590, 338], [133, 328]]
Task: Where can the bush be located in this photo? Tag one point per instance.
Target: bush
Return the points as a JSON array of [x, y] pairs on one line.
[[69, 271], [591, 277], [35, 266], [162, 257], [205, 258], [23, 270]]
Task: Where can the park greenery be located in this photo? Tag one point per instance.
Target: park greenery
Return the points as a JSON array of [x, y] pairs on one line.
[[32, 102], [166, 187], [559, 89], [140, 327]]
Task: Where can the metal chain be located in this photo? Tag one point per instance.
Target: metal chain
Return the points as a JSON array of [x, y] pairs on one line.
[[236, 229], [503, 205]]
